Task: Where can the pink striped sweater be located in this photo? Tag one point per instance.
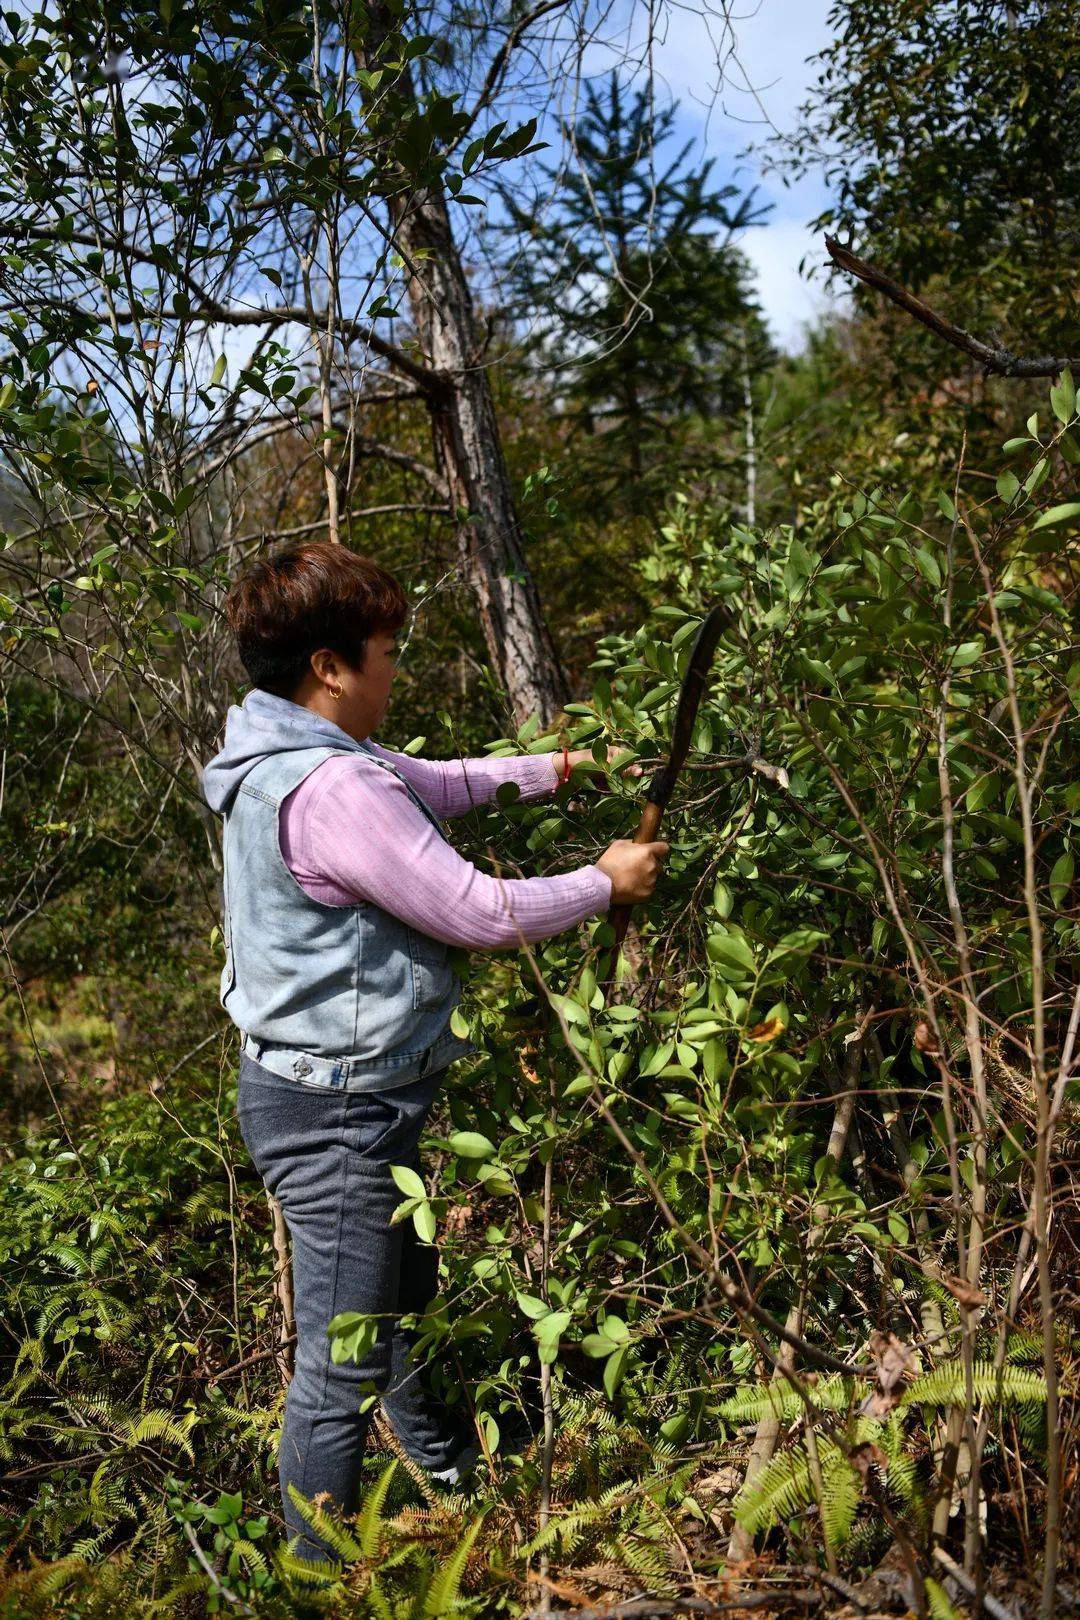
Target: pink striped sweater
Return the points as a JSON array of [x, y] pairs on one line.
[[350, 833]]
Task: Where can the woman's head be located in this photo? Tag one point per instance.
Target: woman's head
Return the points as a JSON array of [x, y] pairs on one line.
[[317, 624]]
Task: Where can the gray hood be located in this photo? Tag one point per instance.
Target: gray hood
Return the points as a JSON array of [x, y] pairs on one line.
[[264, 724]]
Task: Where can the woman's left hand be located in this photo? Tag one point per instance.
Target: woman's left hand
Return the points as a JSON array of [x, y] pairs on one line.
[[579, 754]]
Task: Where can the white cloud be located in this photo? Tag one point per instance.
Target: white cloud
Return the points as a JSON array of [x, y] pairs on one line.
[[790, 302], [738, 87]]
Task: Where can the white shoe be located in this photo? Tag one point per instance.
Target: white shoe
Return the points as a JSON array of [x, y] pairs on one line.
[[458, 1471]]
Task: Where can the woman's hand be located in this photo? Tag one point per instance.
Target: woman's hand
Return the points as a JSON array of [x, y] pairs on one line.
[[577, 755]]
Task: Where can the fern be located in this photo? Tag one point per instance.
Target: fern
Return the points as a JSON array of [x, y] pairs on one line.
[[378, 1602], [327, 1527], [647, 1562], [901, 1471], [946, 1385], [158, 1425], [370, 1521], [442, 1594], [778, 1399], [940, 1607], [304, 1572], [785, 1487], [841, 1488]]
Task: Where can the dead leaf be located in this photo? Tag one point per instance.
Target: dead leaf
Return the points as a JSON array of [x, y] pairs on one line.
[[91, 386], [894, 1364], [868, 1456], [150, 344], [925, 1040], [964, 1294], [767, 1031]]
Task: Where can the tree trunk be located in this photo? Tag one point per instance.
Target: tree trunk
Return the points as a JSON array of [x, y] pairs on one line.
[[468, 444]]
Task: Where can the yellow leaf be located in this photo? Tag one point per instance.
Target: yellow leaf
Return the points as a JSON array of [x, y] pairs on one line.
[[768, 1031]]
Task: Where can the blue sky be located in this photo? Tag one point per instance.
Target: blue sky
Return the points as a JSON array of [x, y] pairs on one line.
[[773, 38]]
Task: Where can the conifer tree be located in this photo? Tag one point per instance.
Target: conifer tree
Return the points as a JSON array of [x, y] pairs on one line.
[[636, 302]]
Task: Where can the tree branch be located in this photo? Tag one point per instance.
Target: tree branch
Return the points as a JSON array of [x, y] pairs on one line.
[[994, 356]]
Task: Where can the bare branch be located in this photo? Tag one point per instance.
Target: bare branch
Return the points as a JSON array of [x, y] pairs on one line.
[[994, 356]]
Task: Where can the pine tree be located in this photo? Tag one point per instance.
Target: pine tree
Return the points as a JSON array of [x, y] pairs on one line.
[[637, 303]]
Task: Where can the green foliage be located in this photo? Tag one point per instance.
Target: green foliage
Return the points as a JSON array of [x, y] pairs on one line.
[[948, 134], [902, 630]]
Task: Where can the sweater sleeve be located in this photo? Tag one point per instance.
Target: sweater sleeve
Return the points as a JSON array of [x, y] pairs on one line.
[[453, 786], [347, 836]]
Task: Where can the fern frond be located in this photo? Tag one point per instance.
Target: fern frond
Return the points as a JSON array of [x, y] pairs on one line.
[[255, 1556], [369, 1522], [644, 1560], [327, 1528], [565, 1528], [378, 1602], [901, 1471], [940, 1607], [159, 1425], [442, 1594], [88, 1548], [70, 1258], [171, 1601], [946, 1385], [785, 1487], [778, 1399], [303, 1572], [840, 1494], [1022, 1347]]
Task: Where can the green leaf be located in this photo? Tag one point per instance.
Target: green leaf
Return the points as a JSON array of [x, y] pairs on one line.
[[982, 791], [407, 1181], [615, 1329], [551, 1326], [218, 371], [471, 1145], [614, 1368], [1007, 486], [424, 1222], [1057, 514], [1061, 876], [531, 1306], [1063, 397], [730, 951]]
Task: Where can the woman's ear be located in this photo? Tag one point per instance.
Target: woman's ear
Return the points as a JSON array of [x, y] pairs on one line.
[[324, 664]]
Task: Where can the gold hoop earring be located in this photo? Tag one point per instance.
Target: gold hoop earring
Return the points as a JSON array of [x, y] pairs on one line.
[[335, 695]]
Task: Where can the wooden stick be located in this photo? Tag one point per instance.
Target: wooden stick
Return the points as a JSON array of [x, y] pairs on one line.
[[283, 1288], [994, 356]]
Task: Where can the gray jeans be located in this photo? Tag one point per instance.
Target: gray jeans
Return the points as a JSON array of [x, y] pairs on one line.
[[325, 1156]]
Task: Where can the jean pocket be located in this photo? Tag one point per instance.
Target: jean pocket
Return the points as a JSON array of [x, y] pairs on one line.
[[387, 1125], [429, 969]]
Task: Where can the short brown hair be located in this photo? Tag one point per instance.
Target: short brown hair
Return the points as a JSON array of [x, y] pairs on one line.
[[284, 607]]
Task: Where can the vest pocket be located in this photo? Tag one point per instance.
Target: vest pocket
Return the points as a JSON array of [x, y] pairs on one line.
[[429, 969]]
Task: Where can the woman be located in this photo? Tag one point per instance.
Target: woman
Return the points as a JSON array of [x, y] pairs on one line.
[[341, 898]]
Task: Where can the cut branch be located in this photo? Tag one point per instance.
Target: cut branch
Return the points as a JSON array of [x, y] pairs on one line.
[[994, 356]]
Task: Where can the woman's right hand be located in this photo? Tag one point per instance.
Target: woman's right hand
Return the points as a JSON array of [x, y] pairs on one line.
[[633, 869]]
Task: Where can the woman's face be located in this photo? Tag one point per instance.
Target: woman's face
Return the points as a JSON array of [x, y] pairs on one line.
[[365, 692]]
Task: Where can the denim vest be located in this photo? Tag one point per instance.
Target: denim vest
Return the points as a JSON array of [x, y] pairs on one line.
[[341, 996]]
